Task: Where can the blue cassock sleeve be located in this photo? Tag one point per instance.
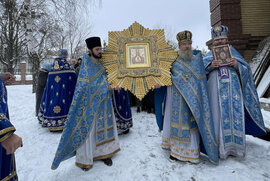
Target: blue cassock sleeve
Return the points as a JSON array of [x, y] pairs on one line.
[[7, 162], [6, 128]]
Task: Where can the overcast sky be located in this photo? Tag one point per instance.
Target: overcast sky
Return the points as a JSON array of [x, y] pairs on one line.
[[172, 15]]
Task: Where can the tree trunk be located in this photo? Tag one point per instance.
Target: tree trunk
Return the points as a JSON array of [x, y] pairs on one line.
[[35, 68], [10, 68]]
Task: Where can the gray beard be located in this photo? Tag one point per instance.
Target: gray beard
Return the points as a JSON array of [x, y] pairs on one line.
[[185, 54]]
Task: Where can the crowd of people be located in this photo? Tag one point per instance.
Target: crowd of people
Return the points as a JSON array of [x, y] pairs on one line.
[[209, 108]]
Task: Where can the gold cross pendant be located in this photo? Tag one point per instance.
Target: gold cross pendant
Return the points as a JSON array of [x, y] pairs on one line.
[[186, 75]]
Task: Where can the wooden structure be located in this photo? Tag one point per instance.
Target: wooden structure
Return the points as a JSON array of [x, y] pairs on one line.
[[248, 22]]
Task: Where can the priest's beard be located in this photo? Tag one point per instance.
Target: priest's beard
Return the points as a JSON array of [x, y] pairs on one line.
[[98, 56], [185, 54]]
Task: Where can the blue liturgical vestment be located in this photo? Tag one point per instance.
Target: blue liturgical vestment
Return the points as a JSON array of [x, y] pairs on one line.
[[92, 103], [234, 102], [159, 99], [58, 95], [190, 108], [122, 111], [190, 99], [7, 162]]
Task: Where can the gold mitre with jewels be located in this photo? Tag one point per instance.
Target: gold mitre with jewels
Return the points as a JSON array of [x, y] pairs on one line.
[[184, 37], [137, 59]]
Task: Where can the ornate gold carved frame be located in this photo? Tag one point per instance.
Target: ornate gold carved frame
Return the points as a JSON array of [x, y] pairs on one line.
[[138, 58]]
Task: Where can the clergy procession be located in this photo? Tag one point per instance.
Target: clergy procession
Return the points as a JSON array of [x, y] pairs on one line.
[[208, 108]]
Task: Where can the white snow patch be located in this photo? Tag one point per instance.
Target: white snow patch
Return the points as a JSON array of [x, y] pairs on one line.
[[141, 156]]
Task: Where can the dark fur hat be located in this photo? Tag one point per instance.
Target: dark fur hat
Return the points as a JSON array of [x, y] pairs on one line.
[[93, 42]]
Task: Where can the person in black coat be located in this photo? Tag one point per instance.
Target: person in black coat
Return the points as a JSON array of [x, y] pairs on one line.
[[41, 83]]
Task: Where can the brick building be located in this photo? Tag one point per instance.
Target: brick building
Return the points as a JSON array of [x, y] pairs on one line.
[[248, 22]]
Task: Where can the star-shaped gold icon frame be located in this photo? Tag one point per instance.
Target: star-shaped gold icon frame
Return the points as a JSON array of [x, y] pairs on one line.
[[138, 58]]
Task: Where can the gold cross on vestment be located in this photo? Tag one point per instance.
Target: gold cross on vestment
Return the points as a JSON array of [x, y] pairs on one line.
[[57, 79], [186, 75]]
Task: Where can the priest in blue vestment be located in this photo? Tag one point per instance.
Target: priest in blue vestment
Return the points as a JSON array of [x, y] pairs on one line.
[[233, 97], [159, 100], [188, 124], [90, 132], [122, 111], [58, 93], [9, 141]]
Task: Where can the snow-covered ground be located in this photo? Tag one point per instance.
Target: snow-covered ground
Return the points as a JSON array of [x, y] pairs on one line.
[[141, 157]]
